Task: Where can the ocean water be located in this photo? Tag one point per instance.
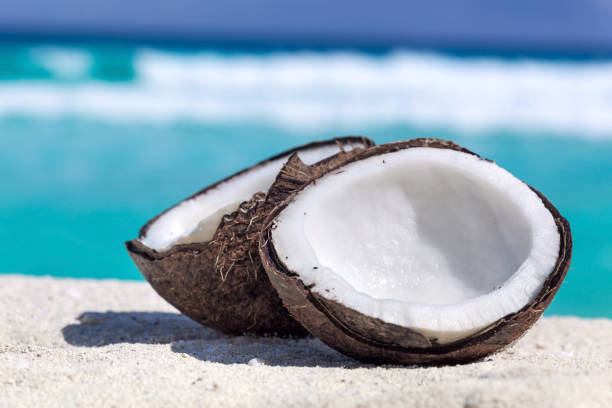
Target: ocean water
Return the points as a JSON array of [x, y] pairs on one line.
[[95, 140]]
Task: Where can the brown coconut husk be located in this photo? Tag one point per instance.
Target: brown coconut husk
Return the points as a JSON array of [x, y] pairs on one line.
[[221, 283], [372, 340]]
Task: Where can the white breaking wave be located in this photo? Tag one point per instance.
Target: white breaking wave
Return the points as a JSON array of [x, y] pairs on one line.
[[306, 89]]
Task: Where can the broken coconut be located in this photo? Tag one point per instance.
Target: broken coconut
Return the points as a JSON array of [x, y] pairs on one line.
[[416, 252], [201, 254]]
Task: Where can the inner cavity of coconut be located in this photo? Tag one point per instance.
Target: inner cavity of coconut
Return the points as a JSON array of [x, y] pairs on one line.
[[197, 219], [435, 240]]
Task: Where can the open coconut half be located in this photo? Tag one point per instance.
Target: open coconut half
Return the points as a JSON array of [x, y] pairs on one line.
[[201, 254], [416, 252]]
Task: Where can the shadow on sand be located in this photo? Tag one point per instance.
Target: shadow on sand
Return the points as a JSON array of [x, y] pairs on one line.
[[96, 329]]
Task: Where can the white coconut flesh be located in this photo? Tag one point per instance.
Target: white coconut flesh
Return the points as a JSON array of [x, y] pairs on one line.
[[197, 219], [434, 240]]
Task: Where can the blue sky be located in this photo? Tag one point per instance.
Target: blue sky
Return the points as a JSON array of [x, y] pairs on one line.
[[525, 24]]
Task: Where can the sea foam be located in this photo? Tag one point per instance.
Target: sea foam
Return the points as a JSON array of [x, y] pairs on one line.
[[302, 90]]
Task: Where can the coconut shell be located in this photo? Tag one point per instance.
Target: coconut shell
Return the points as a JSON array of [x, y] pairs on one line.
[[372, 340], [221, 283]]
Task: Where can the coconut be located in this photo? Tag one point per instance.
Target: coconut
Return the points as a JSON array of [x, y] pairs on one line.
[[416, 252], [201, 254]]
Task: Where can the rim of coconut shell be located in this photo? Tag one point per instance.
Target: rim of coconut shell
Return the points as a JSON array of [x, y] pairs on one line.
[[320, 316], [137, 246]]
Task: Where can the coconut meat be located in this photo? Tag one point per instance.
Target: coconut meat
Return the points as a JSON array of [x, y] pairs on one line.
[[435, 240], [197, 219]]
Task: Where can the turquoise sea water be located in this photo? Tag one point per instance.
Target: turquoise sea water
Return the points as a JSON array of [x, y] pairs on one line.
[[94, 141]]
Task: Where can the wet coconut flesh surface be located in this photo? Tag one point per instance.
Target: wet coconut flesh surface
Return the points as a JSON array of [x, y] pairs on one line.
[[201, 254], [435, 241]]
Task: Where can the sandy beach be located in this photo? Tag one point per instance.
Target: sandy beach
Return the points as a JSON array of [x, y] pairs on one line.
[[66, 342]]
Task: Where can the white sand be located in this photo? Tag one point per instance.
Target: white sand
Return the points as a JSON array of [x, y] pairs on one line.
[[130, 348]]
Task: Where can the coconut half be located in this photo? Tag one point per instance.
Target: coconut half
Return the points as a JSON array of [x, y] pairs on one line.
[[416, 252], [201, 254]]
